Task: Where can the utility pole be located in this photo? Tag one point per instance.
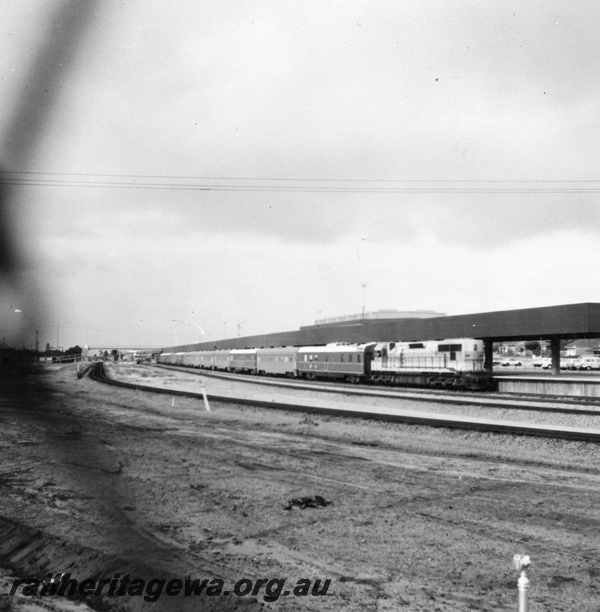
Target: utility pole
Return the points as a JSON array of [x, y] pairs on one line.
[[364, 286]]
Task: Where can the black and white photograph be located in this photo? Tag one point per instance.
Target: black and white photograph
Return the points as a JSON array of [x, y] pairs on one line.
[[299, 306]]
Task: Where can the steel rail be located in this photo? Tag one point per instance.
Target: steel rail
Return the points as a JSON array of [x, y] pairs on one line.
[[374, 413], [489, 400]]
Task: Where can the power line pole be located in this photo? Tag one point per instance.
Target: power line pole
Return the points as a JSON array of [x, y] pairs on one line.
[[364, 286]]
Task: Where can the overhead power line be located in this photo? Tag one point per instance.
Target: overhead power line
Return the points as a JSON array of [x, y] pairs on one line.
[[294, 185], [43, 326]]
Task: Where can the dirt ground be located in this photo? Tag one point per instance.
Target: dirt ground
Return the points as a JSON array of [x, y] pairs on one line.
[[97, 481]]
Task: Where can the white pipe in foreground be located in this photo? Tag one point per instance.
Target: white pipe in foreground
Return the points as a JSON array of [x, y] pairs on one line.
[[521, 563]]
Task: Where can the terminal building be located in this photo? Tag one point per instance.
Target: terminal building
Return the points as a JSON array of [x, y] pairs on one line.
[[382, 314]]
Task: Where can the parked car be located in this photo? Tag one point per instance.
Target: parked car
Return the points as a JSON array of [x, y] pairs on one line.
[[542, 362], [568, 363], [511, 361], [587, 363]]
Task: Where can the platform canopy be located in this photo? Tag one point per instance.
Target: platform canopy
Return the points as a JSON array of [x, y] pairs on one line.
[[545, 323]]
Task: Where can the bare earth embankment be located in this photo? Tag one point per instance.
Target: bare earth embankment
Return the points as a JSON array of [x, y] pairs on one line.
[[97, 481]]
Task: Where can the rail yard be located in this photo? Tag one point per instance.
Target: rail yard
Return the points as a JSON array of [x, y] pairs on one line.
[[99, 479], [550, 418]]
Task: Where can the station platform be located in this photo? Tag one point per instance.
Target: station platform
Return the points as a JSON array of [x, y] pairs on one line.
[[562, 385]]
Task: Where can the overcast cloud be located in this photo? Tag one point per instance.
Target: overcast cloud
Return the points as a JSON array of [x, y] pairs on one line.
[[259, 162]]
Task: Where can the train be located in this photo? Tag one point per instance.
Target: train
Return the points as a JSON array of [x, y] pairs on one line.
[[450, 364]]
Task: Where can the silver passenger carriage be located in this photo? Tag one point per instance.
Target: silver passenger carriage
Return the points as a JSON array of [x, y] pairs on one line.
[[243, 360], [277, 361]]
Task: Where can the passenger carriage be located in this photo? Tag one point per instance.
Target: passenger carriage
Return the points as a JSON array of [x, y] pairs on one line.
[[243, 360], [167, 358], [277, 361], [170, 358], [198, 359], [339, 360], [219, 359], [213, 360]]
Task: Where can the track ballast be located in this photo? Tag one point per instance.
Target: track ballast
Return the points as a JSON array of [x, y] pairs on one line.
[[312, 405]]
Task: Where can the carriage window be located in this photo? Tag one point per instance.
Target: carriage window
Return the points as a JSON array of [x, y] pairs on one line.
[[449, 348], [416, 345]]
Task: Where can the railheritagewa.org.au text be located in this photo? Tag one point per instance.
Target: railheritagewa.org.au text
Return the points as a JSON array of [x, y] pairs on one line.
[[63, 585]]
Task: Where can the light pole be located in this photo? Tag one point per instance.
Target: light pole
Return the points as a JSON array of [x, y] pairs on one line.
[[189, 325], [364, 286]]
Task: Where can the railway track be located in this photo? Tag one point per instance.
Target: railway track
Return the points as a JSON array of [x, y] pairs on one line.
[[494, 400], [312, 405]]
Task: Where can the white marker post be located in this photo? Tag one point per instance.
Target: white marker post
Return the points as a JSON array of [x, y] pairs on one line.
[[203, 389], [521, 563]]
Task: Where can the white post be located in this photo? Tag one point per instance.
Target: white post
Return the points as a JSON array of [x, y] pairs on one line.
[[203, 389], [521, 563]]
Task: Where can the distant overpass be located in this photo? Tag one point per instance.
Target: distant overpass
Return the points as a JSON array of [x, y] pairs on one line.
[[95, 350]]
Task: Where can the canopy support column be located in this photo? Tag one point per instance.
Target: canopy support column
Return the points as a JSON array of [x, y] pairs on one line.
[[488, 360], [555, 354]]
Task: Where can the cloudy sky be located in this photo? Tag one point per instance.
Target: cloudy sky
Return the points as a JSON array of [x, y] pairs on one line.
[[246, 167]]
